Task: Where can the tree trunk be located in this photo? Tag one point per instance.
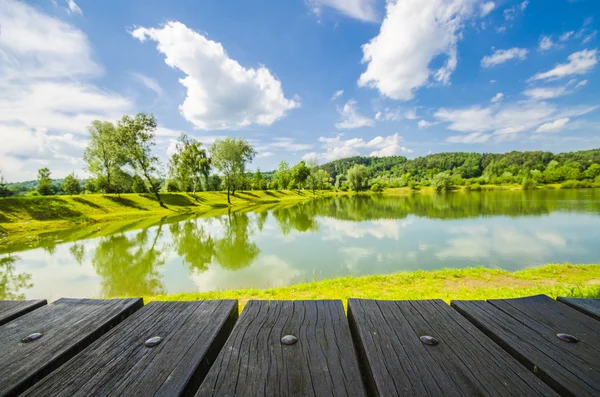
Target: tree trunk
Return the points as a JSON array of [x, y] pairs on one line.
[[228, 199], [154, 189]]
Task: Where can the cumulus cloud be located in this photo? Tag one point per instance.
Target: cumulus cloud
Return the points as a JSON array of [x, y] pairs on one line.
[[486, 8], [337, 94], [363, 10], [351, 118], [424, 124], [412, 34], [554, 126], [580, 62], [497, 97], [47, 101], [221, 93], [336, 148], [501, 56]]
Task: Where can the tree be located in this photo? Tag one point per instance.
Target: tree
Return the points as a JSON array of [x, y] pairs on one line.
[[91, 185], [136, 137], [357, 177], [44, 186], [138, 185], [230, 156], [283, 175], [529, 184], [258, 182], [189, 165], [592, 172], [103, 155], [300, 173], [4, 190], [323, 179], [71, 184], [442, 181]]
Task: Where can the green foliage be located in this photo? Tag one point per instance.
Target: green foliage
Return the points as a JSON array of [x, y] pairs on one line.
[[172, 186], [592, 172], [576, 184], [135, 136], [138, 185], [4, 190], [442, 181], [282, 176], [300, 173], [44, 186], [91, 186], [529, 184], [357, 177], [71, 185], [104, 156], [377, 188], [230, 156], [258, 181], [189, 165]]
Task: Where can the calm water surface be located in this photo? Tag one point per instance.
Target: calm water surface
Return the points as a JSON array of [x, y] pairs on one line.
[[314, 240]]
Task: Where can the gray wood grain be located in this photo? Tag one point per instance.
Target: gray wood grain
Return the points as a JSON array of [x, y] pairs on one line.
[[9, 310], [465, 362], [254, 362], [120, 364], [527, 328], [591, 307], [67, 325]]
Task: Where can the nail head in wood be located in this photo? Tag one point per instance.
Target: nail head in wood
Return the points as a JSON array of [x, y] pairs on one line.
[[567, 338], [429, 340], [32, 337], [155, 340], [289, 339]]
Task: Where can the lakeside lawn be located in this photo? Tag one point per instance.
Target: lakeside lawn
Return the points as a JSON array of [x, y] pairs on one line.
[[580, 281]]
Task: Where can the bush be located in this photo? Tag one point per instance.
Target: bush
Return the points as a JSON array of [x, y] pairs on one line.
[[442, 181], [476, 187], [529, 184], [377, 188], [172, 187], [575, 185]]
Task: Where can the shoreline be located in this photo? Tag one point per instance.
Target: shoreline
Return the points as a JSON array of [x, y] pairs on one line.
[[580, 281]]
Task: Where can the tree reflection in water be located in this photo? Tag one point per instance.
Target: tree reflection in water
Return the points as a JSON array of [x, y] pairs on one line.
[[11, 282]]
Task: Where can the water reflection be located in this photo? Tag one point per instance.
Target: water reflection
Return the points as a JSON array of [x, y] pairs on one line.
[[312, 240]]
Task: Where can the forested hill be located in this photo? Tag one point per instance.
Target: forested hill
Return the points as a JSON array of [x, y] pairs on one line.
[[471, 165]]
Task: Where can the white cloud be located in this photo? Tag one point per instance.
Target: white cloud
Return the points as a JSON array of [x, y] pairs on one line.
[[566, 36], [486, 8], [546, 43], [411, 114], [148, 82], [363, 10], [412, 34], [337, 94], [504, 121], [46, 103], [424, 124], [512, 12], [554, 126], [589, 37], [336, 148], [474, 137], [73, 8], [579, 63], [389, 115], [221, 93], [497, 97], [501, 56], [283, 143], [581, 83], [351, 118], [546, 92]]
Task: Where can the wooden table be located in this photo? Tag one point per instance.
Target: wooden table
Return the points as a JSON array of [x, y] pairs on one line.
[[83, 347]]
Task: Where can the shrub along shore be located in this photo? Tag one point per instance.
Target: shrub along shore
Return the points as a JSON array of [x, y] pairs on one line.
[[580, 281]]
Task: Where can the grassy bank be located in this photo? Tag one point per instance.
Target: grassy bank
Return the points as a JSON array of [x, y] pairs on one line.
[[447, 284], [29, 214]]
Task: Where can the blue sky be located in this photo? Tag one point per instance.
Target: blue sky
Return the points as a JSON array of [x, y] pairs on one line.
[[299, 79]]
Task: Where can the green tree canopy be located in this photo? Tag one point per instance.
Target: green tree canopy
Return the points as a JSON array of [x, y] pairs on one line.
[[104, 156], [71, 184], [44, 186], [189, 165], [230, 156], [357, 177]]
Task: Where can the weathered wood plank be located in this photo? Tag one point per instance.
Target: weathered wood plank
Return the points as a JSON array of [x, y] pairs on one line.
[[67, 325], [464, 362], [254, 362], [9, 310], [528, 327], [120, 364], [591, 307]]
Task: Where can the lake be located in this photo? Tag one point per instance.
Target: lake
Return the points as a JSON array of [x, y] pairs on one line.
[[279, 245]]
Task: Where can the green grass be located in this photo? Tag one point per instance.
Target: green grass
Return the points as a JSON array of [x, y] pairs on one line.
[[27, 214], [448, 284]]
